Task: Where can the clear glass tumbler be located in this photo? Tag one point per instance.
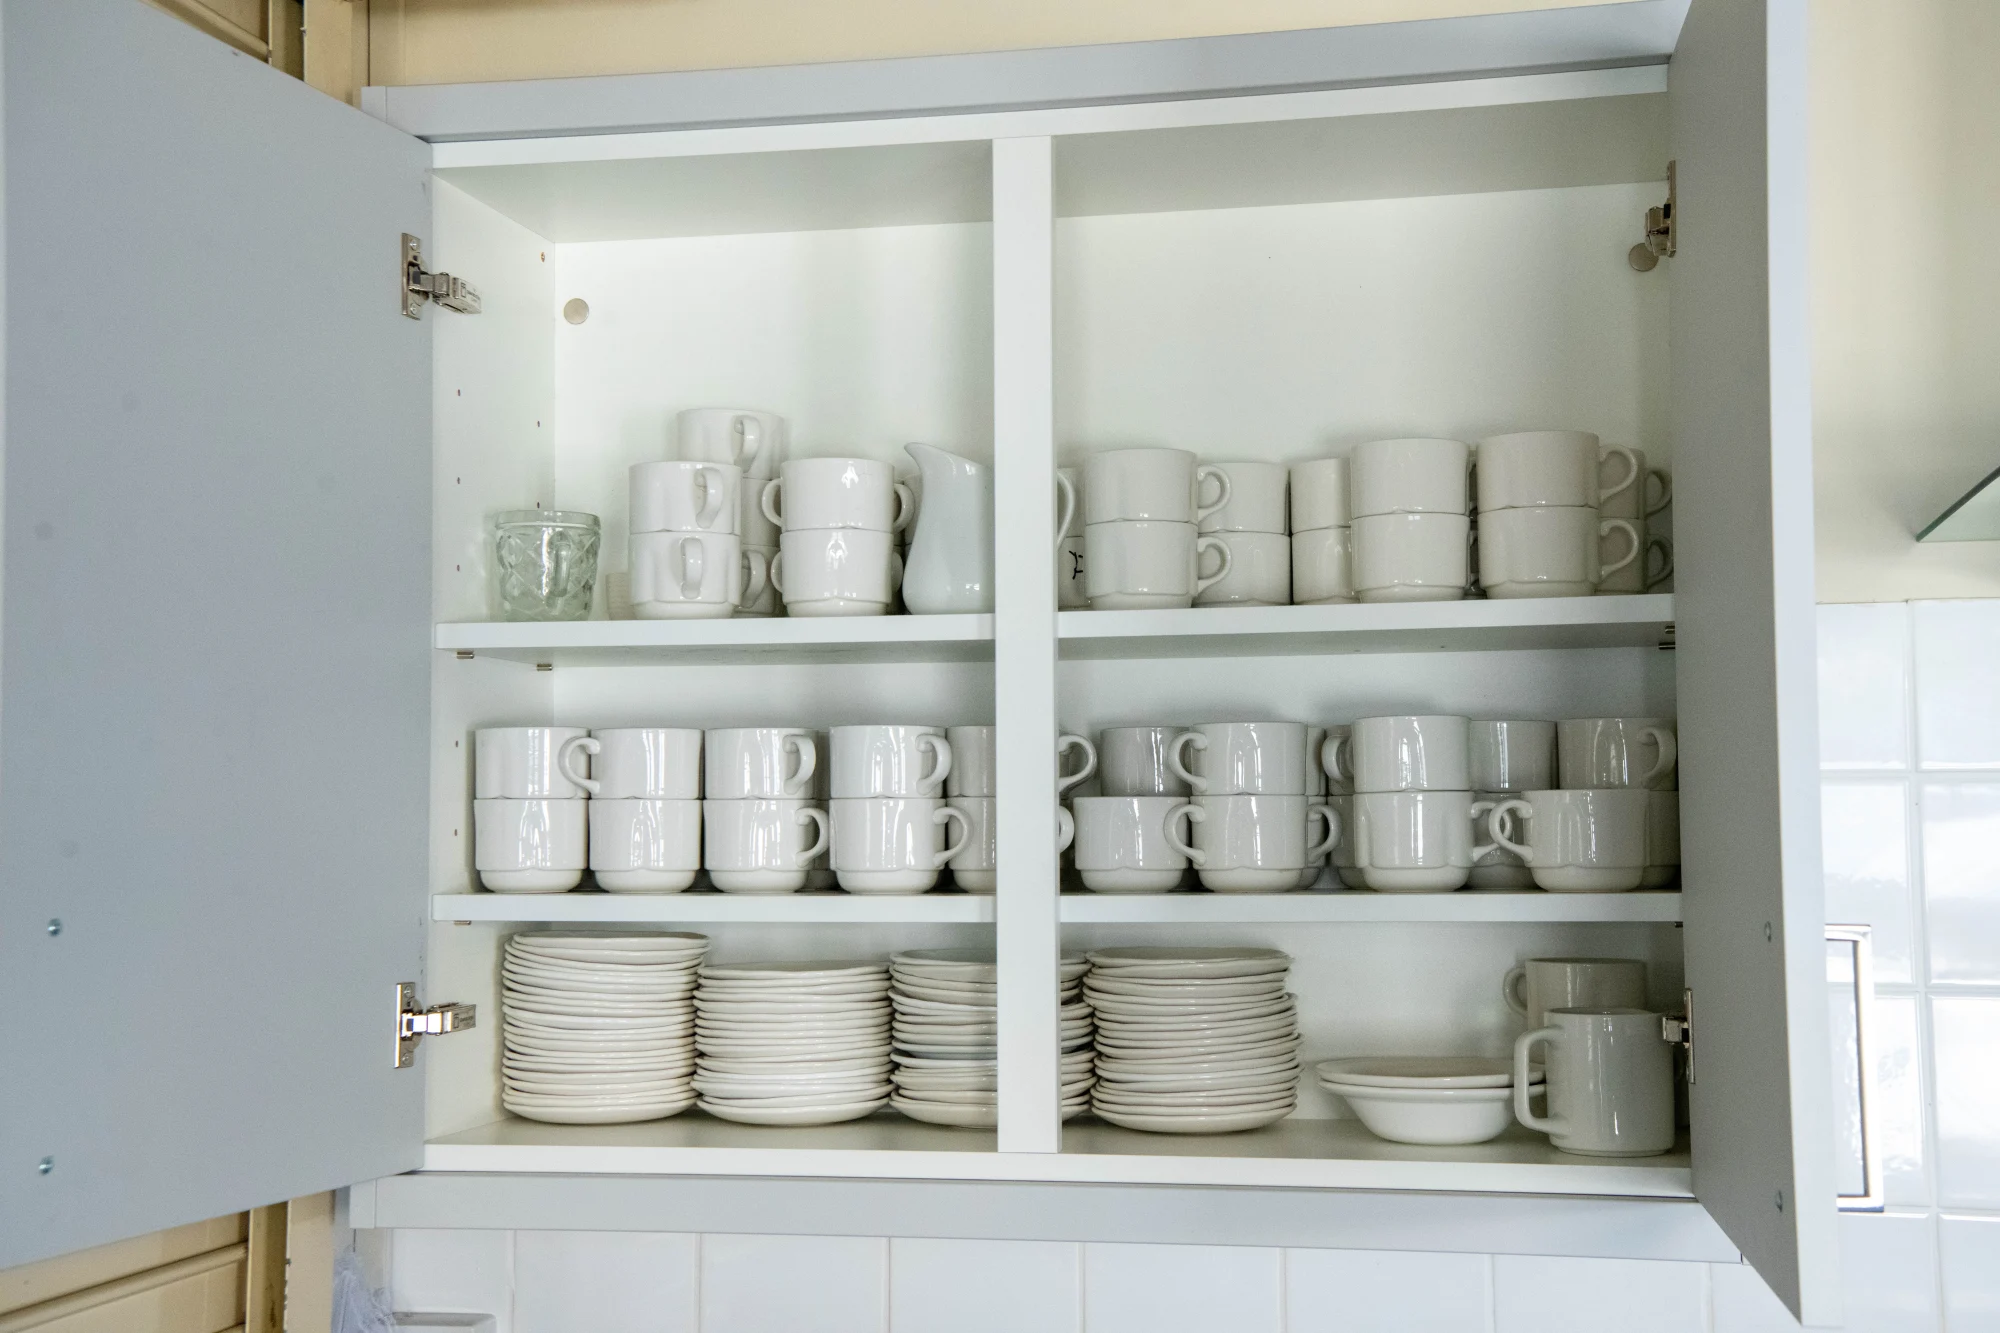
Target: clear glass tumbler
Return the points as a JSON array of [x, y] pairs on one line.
[[545, 563]]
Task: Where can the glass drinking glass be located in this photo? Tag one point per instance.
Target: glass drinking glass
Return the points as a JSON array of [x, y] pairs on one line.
[[545, 563]]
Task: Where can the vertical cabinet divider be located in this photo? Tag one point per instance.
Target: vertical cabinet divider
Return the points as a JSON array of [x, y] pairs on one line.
[[1027, 936]]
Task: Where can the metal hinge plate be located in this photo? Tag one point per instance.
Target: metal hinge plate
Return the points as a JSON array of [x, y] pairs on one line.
[[1660, 240], [419, 286], [1678, 1030], [413, 1024]]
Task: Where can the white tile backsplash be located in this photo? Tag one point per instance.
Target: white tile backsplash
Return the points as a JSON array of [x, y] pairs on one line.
[[1958, 710], [1863, 686], [606, 1282], [1888, 1273], [1741, 1302], [985, 1286], [1537, 1294], [1899, 1100], [1865, 848], [438, 1272], [1965, 1043], [1969, 1250], [794, 1284], [1962, 880], [1180, 1289], [1387, 1291]]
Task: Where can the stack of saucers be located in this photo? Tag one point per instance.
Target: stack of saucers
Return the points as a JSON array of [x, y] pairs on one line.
[[1193, 1040], [947, 1067], [792, 1043], [598, 1026], [1433, 1099]]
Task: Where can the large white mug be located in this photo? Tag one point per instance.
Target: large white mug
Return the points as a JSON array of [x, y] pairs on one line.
[[1533, 988], [1663, 839], [1560, 468], [692, 575], [893, 844], [976, 867], [1426, 752], [1259, 573], [1122, 844], [650, 763], [1423, 557], [761, 846], [1577, 841], [1610, 1082], [763, 762], [1146, 564], [1495, 867], [838, 493], [529, 846], [1231, 758], [837, 571], [1410, 476], [1415, 841], [1163, 485], [1549, 552], [1250, 844], [1618, 752], [1323, 567], [524, 763], [1256, 500], [1511, 755], [645, 846], [1319, 495], [685, 497], [752, 440], [1132, 761], [889, 761]]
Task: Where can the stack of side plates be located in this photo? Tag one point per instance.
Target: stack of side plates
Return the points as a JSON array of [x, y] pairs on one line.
[[1433, 1099], [1193, 1040], [598, 1026], [947, 1069], [792, 1043]]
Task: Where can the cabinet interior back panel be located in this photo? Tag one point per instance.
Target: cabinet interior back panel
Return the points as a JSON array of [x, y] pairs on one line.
[[1279, 332]]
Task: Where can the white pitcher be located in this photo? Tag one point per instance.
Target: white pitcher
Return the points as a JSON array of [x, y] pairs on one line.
[[950, 564]]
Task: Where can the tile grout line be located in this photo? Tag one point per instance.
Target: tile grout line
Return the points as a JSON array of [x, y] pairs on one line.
[[1284, 1290], [1080, 1277], [888, 1262], [700, 1272], [1492, 1296]]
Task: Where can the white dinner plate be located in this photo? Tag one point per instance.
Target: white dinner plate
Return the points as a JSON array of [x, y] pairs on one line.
[[797, 1115], [1108, 1094], [1228, 988], [1223, 1123], [583, 1115], [801, 970], [1420, 1071], [1169, 962]]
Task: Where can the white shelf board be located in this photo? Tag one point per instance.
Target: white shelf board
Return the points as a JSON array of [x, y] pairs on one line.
[[1382, 627], [1362, 906], [829, 908], [780, 639], [1325, 1154]]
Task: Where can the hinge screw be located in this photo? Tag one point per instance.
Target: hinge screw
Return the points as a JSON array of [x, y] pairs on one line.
[[1780, 1201], [55, 925], [46, 1165]]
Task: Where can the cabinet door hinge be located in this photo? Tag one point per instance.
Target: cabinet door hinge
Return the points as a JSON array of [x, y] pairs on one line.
[[1678, 1029], [413, 1024], [1659, 241], [419, 286]]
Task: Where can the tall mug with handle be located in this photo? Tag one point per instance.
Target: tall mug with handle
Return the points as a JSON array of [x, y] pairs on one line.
[[1533, 988], [1610, 1079]]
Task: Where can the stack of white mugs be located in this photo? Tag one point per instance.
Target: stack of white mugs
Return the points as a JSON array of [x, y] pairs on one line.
[[1322, 533], [700, 547], [1252, 521], [1142, 543], [837, 548]]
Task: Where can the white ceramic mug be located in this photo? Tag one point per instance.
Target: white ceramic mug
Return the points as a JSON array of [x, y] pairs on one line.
[[1163, 485], [1653, 493], [1533, 988], [1315, 770], [1338, 735], [1066, 742], [893, 844], [1341, 858], [685, 497], [1640, 575], [1549, 552], [837, 571], [1559, 468], [1250, 844], [1496, 867], [1610, 1082], [1428, 752], [1122, 844], [1415, 841], [761, 846], [751, 525], [628, 763], [1410, 476], [524, 763], [1231, 758], [888, 761], [1663, 839], [1577, 841], [975, 868], [529, 846], [763, 762], [1259, 573], [1412, 557], [975, 769], [1256, 500], [1323, 566], [692, 575], [811, 493], [1597, 752], [1069, 512], [1071, 590], [1132, 761], [1319, 495], [645, 846], [1146, 564], [760, 599], [752, 440], [1511, 755]]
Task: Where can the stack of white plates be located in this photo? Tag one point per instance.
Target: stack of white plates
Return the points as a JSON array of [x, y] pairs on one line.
[[792, 1043], [1432, 1099], [947, 1069], [1193, 1040], [598, 1026]]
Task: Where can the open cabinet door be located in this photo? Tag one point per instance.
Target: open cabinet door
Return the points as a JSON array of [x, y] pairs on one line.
[[1756, 961], [214, 613]]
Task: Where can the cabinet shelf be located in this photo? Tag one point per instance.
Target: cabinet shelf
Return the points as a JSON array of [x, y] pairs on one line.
[[960, 638], [694, 908]]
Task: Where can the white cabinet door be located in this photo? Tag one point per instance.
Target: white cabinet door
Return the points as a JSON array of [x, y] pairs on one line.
[[213, 625], [1743, 508]]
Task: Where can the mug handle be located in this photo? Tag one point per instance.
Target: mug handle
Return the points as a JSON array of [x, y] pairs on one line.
[[1610, 525], [1522, 1091], [712, 495], [1201, 511], [1065, 830], [1194, 781], [941, 748], [693, 566], [1195, 814], [802, 745], [1483, 849], [570, 748], [1066, 507], [1514, 989], [1064, 781], [1666, 550], [1333, 830], [1670, 751], [1329, 758], [906, 507], [941, 816], [1202, 585], [1498, 820], [1666, 490], [1633, 472], [767, 500], [812, 814], [760, 570], [752, 432]]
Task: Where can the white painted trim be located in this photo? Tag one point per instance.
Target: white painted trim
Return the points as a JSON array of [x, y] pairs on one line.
[[692, 908]]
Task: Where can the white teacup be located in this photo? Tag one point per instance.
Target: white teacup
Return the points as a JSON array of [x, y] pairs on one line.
[[529, 846], [1145, 564], [1256, 500], [975, 769], [631, 763], [1250, 844], [1548, 552], [1259, 573], [1315, 770], [1132, 761], [1640, 575], [1162, 485], [692, 575], [889, 761], [813, 493], [1663, 839], [1412, 557], [1610, 1082], [1636, 504], [524, 763], [1415, 841], [893, 844], [1323, 566], [1428, 752], [975, 868], [1410, 476], [1069, 512], [1232, 758], [763, 762], [1319, 495], [837, 571], [1579, 841], [752, 440], [762, 599], [1653, 493], [1071, 593], [761, 846], [1511, 755], [1064, 744], [1533, 988], [645, 846], [751, 525], [1122, 844], [685, 497], [1597, 752], [1560, 468], [1341, 857], [1495, 867]]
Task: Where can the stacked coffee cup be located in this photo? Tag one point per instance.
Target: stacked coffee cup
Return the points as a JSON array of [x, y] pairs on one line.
[[1636, 504], [1413, 806], [838, 519], [1250, 814], [1540, 529], [1322, 533], [1412, 528], [1121, 835], [1252, 521], [645, 805], [1142, 545], [528, 815], [1506, 758], [972, 788], [888, 808], [1615, 822], [760, 827], [687, 561], [1070, 593]]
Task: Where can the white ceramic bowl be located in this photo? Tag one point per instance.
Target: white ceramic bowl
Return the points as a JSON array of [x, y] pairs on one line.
[[1429, 1115]]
